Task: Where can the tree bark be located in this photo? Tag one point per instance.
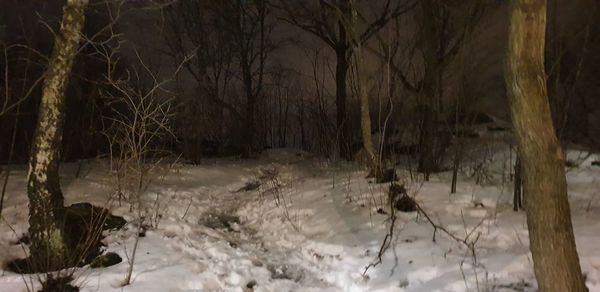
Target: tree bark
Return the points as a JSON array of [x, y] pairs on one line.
[[48, 245], [551, 238], [249, 129], [518, 186], [341, 73], [428, 141], [375, 167]]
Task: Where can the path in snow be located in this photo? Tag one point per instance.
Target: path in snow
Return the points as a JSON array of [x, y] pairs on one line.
[[320, 236]]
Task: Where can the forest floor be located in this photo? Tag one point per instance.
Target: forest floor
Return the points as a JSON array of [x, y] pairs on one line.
[[313, 225]]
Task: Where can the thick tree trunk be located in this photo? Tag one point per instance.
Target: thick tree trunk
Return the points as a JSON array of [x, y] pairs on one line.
[[48, 246], [343, 53], [428, 142], [551, 238]]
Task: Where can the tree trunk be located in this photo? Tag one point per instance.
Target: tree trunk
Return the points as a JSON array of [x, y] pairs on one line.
[[551, 238], [48, 246], [518, 186], [456, 165], [427, 139], [249, 127], [375, 168], [428, 148], [341, 72], [430, 145]]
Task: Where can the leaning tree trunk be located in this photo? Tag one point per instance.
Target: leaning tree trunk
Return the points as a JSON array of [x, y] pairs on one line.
[[551, 238], [48, 246], [375, 167]]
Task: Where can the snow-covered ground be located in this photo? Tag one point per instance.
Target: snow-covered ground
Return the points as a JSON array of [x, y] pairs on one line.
[[314, 227]]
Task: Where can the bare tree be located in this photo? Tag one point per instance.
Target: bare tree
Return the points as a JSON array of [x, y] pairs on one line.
[[48, 244], [373, 159], [11, 98], [282, 92], [566, 55], [329, 20], [142, 107], [141, 118], [7, 102], [441, 27], [191, 26], [252, 35], [552, 243], [232, 38], [375, 167]]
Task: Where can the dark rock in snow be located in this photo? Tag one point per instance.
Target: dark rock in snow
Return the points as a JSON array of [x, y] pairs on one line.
[[285, 272], [220, 221], [95, 215], [56, 284], [83, 224], [596, 163], [142, 231], [106, 260], [399, 199], [251, 284], [249, 186], [478, 204]]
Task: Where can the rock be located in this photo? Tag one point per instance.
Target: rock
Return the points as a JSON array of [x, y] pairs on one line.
[[249, 186], [251, 284], [83, 224], [106, 260], [93, 214], [220, 221], [58, 284], [399, 199]]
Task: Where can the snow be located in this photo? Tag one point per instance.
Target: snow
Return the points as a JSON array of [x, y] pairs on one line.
[[313, 225]]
